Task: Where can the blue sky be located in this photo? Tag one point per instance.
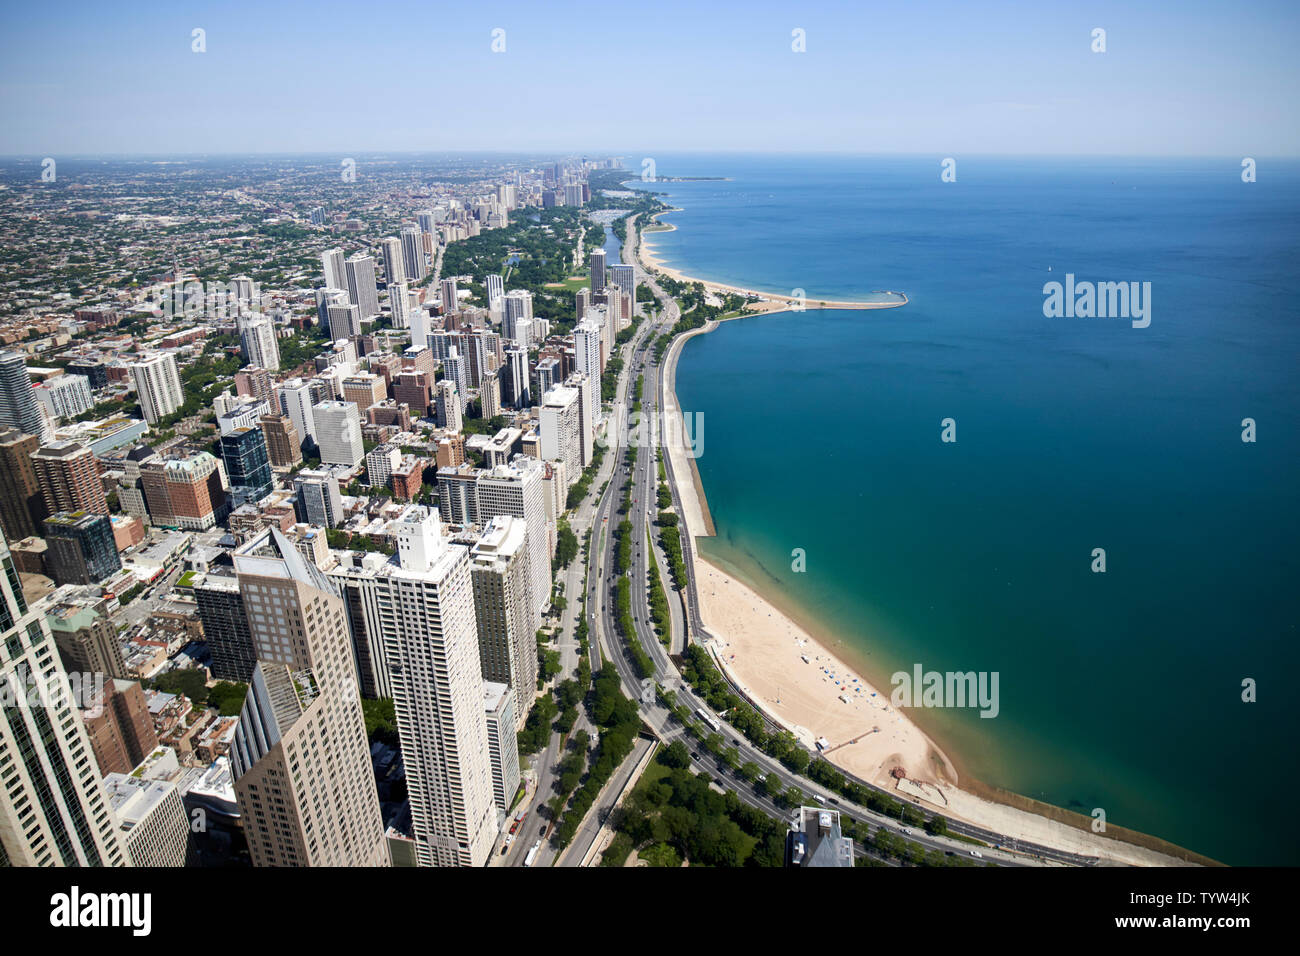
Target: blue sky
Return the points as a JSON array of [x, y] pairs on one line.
[[1178, 78]]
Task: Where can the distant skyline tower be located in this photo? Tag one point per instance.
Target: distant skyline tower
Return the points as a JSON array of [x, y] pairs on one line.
[[391, 250], [257, 340], [332, 266], [448, 291], [18, 406], [157, 386], [399, 304], [413, 264], [362, 290], [518, 309], [624, 276]]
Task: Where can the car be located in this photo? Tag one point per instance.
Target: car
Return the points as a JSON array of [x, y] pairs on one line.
[[504, 849], [542, 831], [977, 854], [907, 830]]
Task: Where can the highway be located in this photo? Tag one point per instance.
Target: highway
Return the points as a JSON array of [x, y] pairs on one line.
[[599, 568], [601, 581]]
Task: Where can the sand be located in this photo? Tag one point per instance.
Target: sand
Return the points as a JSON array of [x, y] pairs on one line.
[[767, 301], [781, 667]]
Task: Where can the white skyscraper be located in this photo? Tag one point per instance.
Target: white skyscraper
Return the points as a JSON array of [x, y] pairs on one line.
[[344, 320], [338, 433], [18, 406], [361, 286], [399, 304], [604, 318], [586, 350], [517, 489], [453, 369], [518, 307], [258, 341], [503, 608], [65, 396], [394, 268], [332, 266], [516, 376], [561, 428], [503, 744], [158, 386], [413, 253], [449, 402], [495, 288], [425, 606], [419, 320], [296, 397]]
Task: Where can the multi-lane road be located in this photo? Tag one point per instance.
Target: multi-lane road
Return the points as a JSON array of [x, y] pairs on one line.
[[601, 514]]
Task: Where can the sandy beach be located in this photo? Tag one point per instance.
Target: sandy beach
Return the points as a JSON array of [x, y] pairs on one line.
[[805, 687], [767, 301], [819, 697]]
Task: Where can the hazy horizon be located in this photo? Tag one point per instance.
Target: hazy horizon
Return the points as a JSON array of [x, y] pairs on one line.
[[1175, 79]]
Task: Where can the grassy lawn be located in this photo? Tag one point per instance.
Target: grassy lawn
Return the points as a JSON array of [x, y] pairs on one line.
[[571, 284]]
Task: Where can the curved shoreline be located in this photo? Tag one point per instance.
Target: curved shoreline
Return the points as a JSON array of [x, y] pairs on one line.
[[766, 301], [982, 804]]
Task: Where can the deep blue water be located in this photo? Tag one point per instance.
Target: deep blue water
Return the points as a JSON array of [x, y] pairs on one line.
[[1119, 690]]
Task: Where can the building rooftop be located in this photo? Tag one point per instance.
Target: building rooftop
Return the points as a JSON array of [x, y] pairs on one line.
[[815, 839], [132, 798]]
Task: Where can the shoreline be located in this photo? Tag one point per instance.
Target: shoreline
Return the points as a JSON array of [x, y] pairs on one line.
[[755, 637], [767, 301]]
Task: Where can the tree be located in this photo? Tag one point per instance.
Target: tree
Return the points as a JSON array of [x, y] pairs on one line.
[[772, 785], [566, 546], [228, 697], [675, 755], [796, 759], [750, 771]]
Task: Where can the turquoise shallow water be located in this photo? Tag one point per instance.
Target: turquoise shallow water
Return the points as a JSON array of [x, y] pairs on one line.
[[822, 432]]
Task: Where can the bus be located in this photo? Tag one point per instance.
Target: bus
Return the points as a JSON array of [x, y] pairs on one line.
[[709, 719], [532, 854]]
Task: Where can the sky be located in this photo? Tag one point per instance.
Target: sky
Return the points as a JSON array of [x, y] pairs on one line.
[[1176, 78]]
